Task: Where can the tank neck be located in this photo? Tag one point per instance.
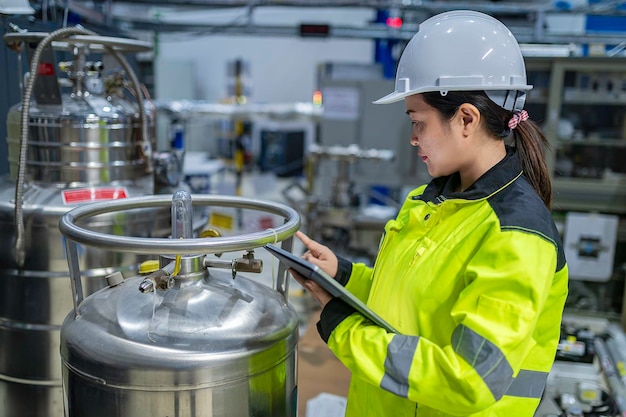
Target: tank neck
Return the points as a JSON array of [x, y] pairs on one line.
[[186, 268]]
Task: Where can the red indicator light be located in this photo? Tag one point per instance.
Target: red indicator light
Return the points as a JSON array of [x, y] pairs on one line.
[[394, 22]]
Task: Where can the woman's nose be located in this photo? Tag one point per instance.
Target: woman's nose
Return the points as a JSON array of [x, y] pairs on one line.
[[414, 141]]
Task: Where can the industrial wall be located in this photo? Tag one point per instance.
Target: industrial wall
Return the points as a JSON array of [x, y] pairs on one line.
[[282, 69]]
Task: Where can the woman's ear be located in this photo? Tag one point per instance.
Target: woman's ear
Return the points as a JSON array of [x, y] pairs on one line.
[[469, 117]]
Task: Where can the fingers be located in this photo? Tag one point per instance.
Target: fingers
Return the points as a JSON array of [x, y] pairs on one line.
[[318, 293], [308, 256], [313, 246], [304, 238], [299, 278], [305, 283]]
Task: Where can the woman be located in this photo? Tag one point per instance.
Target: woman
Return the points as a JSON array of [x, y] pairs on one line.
[[471, 272]]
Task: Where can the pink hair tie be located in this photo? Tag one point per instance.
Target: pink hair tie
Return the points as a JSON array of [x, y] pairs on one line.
[[518, 117]]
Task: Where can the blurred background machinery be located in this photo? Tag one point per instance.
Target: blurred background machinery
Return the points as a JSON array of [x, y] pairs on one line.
[[339, 211]]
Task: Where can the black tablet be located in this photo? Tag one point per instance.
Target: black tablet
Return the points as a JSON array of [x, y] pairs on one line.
[[310, 271]]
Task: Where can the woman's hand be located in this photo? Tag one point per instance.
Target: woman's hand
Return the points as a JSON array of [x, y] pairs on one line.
[[319, 255], [324, 258]]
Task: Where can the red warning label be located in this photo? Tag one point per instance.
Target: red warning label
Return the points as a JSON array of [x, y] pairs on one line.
[[45, 68], [81, 195]]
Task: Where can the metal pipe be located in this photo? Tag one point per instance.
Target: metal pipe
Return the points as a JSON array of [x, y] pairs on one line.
[[282, 283], [619, 394], [165, 246], [617, 346], [71, 250], [617, 357]]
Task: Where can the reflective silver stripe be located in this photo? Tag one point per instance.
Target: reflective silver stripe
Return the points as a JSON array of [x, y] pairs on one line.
[[528, 384], [400, 353], [485, 358]]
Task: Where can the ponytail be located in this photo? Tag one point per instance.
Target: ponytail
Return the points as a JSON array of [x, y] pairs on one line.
[[529, 140], [531, 146]]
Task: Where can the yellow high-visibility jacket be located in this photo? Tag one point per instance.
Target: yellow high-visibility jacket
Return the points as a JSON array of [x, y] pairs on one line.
[[475, 282]]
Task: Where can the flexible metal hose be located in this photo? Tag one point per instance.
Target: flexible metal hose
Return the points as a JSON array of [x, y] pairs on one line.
[[20, 252], [146, 145]]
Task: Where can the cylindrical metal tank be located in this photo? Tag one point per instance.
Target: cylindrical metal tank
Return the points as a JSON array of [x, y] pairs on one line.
[[87, 139], [187, 339], [84, 148]]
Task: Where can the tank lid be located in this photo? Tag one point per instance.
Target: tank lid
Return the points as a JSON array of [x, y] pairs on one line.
[[194, 328]]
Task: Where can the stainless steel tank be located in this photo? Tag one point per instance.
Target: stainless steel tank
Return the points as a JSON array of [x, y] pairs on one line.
[[65, 150], [188, 338]]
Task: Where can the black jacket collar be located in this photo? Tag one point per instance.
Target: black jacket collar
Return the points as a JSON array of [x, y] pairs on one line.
[[491, 181]]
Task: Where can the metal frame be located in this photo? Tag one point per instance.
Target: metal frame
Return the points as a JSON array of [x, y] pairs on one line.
[[164, 246], [584, 194], [531, 29]]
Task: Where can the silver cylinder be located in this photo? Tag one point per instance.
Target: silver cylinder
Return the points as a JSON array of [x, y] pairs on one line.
[[210, 345], [87, 148], [35, 299], [214, 347], [87, 140]]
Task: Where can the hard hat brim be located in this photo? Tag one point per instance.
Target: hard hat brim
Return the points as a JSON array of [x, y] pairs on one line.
[[397, 96], [393, 97]]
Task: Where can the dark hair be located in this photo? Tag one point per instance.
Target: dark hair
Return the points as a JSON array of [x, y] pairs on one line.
[[527, 137]]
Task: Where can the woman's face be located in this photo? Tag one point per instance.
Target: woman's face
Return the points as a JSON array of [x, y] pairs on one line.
[[439, 142]]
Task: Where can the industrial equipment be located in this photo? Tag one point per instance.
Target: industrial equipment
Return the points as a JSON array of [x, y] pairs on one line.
[[362, 192], [333, 210], [72, 140], [587, 378], [281, 145], [183, 338]]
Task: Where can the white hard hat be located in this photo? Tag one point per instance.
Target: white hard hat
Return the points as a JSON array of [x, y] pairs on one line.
[[462, 50]]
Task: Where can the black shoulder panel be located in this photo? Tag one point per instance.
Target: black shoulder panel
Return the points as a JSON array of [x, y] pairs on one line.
[[519, 207]]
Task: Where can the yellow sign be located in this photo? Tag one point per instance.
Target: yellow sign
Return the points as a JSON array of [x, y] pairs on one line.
[[221, 220]]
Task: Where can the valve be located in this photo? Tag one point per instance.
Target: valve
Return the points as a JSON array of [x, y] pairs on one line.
[[247, 263], [160, 279]]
